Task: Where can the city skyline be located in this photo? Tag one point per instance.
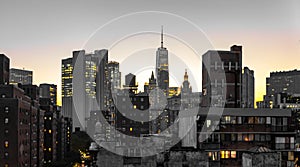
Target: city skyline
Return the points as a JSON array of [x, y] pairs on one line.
[[270, 37]]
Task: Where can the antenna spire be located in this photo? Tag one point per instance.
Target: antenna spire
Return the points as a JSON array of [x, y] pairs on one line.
[[162, 37]]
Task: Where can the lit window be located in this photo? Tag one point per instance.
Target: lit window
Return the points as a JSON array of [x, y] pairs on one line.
[[6, 109], [6, 144], [233, 154], [227, 154], [130, 129], [291, 156], [134, 106], [208, 123], [222, 154], [50, 149], [6, 154], [50, 131], [6, 120]]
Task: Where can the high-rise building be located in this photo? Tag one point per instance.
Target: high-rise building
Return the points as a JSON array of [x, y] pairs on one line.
[[93, 88], [162, 67], [49, 91], [281, 82], [214, 85], [18, 76], [36, 125], [248, 88], [50, 130], [15, 126], [4, 70], [114, 76], [66, 87]]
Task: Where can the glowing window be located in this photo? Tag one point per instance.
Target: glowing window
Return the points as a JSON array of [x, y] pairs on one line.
[[233, 154], [130, 129], [6, 144]]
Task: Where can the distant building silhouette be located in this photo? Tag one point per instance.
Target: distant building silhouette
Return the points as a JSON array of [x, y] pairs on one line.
[[248, 88], [281, 82], [18, 76], [4, 70]]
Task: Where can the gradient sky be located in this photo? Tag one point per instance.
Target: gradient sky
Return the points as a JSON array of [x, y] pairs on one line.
[[36, 35]]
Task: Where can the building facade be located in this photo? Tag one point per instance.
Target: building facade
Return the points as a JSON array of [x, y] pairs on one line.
[[248, 88], [222, 78], [281, 82], [4, 69], [18, 76]]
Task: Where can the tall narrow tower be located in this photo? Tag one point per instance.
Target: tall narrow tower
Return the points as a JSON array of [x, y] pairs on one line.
[[162, 67]]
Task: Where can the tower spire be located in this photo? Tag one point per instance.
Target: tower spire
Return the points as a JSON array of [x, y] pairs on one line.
[[162, 37]]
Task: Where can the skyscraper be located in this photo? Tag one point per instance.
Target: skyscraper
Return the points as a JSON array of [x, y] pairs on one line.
[[214, 64], [162, 67], [23, 77], [66, 86], [4, 70], [93, 85], [114, 76], [248, 88]]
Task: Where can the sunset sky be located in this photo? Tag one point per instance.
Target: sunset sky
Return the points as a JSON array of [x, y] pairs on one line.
[[36, 35]]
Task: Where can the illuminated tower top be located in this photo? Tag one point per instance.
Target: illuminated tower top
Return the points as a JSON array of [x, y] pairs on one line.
[[162, 66]]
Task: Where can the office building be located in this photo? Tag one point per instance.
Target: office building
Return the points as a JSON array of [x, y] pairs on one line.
[[281, 82], [66, 87], [162, 67], [18, 76], [114, 76], [222, 72], [248, 88], [93, 93], [4, 70]]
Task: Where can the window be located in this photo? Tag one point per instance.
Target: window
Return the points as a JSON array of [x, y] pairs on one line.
[[6, 155], [291, 156], [208, 123], [233, 137], [6, 109], [239, 120], [213, 156], [268, 120], [6, 120], [227, 119], [228, 154], [250, 120], [240, 137], [233, 154], [6, 144], [257, 137]]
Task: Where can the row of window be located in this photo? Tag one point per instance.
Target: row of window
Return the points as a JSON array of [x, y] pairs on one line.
[[245, 137], [275, 121]]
